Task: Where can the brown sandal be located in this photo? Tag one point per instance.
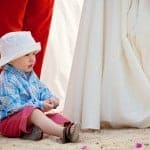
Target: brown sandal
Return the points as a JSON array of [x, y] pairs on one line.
[[71, 136], [35, 135]]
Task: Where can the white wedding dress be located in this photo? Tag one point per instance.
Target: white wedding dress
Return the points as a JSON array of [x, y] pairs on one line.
[[110, 75]]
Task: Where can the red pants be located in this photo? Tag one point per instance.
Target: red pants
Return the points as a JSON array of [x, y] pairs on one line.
[[16, 124], [32, 15]]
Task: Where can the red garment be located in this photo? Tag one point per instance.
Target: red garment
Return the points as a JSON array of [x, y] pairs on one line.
[[16, 124], [32, 15]]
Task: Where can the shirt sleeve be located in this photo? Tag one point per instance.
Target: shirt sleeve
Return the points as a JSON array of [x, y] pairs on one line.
[[45, 93]]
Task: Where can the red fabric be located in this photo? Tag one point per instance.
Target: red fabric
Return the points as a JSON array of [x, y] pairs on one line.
[[59, 119], [32, 15], [14, 125]]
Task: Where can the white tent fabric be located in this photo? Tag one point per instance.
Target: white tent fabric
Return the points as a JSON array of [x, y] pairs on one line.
[[110, 75], [60, 49]]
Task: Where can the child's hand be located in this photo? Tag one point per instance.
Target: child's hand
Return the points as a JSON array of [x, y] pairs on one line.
[[48, 105], [51, 103], [55, 101]]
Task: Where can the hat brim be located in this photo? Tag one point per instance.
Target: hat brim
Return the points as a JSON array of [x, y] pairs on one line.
[[36, 47]]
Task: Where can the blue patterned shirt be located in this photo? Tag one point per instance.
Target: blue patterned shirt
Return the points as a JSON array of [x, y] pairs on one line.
[[17, 90]]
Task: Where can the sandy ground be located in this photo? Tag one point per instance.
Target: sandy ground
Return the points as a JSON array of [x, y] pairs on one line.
[[107, 139]]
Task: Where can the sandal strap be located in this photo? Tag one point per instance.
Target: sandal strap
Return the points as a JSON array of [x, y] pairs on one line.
[[69, 136], [65, 135]]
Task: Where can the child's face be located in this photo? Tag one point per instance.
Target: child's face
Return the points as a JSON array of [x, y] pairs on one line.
[[25, 63]]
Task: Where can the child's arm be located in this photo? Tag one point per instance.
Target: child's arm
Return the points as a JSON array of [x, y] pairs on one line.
[[47, 95], [50, 101]]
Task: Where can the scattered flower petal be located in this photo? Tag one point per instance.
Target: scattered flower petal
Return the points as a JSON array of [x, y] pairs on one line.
[[138, 145], [84, 147]]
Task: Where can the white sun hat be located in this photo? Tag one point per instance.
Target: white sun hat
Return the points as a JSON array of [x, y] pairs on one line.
[[16, 44]]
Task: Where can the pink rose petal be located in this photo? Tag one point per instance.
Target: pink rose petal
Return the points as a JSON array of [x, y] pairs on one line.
[[84, 147], [138, 145]]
